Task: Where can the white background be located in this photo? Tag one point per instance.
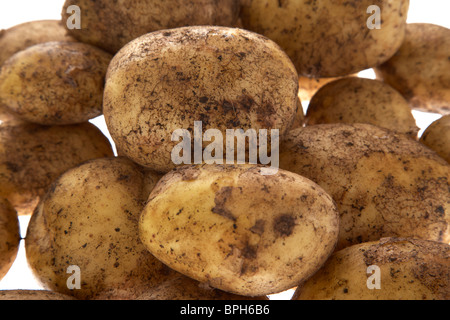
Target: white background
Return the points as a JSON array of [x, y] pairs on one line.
[[13, 12]]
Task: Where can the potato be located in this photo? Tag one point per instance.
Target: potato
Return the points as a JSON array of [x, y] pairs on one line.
[[385, 184], [27, 295], [360, 100], [437, 137], [329, 38], [32, 156], [309, 86], [237, 230], [406, 269], [185, 288], [111, 25], [55, 83], [89, 218], [9, 236], [420, 70], [226, 78]]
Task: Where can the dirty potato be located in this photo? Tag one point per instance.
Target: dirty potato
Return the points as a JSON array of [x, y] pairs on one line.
[[329, 38], [31, 156], [388, 269], [420, 70], [237, 230], [30, 295], [55, 83], [226, 78], [360, 100], [384, 183], [9, 236], [89, 219], [111, 25], [437, 137]]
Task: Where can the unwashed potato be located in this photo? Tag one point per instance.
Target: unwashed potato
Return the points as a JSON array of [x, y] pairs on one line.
[[237, 230], [407, 269], [227, 78], [360, 100], [112, 24], [9, 236], [185, 288], [385, 184], [55, 83], [31, 156], [89, 218], [437, 137], [420, 70], [33, 295], [329, 38]]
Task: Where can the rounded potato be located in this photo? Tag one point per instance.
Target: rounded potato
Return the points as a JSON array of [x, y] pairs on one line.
[[226, 78], [111, 25], [420, 70], [237, 230], [89, 218], [30, 295], [55, 83], [385, 184], [9, 236], [329, 38], [32, 156], [437, 137], [409, 269], [360, 100]]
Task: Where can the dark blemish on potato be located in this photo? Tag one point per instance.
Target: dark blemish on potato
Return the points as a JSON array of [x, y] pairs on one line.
[[12, 167], [220, 201], [249, 252], [258, 228], [284, 225], [203, 99], [440, 210], [123, 177]]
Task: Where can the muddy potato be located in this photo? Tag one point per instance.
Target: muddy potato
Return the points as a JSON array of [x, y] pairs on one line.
[[384, 183], [111, 25], [55, 83], [237, 230], [89, 218], [9, 236], [360, 100], [420, 70], [31, 156], [407, 269], [437, 137], [329, 38], [30, 295], [224, 77]]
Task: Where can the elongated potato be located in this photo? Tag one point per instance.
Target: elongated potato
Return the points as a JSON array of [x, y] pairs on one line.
[[388, 269], [437, 137], [237, 230], [89, 219], [385, 184], [9, 236], [32, 295], [329, 38]]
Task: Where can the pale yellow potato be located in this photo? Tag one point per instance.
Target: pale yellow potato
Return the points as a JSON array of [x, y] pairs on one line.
[[9, 236], [420, 70], [227, 78], [329, 38], [385, 184], [359, 100], [32, 156], [112, 24], [437, 137], [89, 218], [237, 230], [55, 83], [407, 269], [33, 295]]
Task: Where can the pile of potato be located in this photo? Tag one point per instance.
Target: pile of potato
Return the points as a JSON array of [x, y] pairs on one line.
[[359, 207]]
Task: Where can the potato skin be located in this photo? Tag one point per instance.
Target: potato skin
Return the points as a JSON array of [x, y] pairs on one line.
[[225, 77], [313, 34], [437, 137], [89, 218], [385, 184], [427, 88], [9, 236], [30, 295], [111, 25], [239, 231], [32, 156], [55, 83], [410, 269], [360, 100]]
